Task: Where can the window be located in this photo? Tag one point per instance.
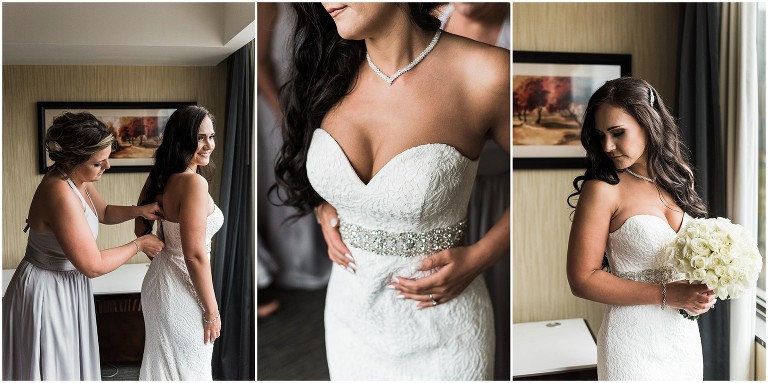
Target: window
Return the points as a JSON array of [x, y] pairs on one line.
[[761, 102]]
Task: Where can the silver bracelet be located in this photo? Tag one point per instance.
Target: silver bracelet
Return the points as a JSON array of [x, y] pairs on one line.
[[212, 320], [663, 295], [137, 246]]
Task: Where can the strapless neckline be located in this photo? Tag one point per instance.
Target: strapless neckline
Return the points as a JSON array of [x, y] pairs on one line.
[[686, 217], [394, 159], [209, 216]]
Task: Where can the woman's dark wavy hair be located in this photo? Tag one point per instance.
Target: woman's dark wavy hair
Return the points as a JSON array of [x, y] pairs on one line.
[[176, 151], [324, 70], [665, 153]]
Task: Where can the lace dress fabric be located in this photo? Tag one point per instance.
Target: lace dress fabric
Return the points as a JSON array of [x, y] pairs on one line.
[[369, 333], [644, 342], [173, 347], [49, 318]]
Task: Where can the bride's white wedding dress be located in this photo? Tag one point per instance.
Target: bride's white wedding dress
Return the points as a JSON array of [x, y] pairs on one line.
[[644, 342], [414, 206], [173, 317]]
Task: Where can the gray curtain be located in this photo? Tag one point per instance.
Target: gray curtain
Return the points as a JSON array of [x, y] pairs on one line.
[[233, 354], [698, 108]]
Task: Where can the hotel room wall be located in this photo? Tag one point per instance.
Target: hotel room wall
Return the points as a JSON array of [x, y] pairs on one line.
[[24, 86], [541, 222]]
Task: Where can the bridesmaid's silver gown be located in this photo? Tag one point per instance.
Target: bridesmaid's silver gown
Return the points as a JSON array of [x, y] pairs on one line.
[[49, 322]]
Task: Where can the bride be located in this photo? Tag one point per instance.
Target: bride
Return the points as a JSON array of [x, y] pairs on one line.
[[181, 316], [385, 116], [636, 194]]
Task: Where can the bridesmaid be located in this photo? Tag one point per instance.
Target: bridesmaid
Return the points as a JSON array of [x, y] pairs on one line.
[[49, 322]]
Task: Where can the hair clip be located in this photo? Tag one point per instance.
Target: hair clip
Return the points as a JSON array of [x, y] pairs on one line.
[[653, 97], [53, 146]]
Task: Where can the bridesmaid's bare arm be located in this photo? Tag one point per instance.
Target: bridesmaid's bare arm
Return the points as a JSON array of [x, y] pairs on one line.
[[114, 214], [69, 225]]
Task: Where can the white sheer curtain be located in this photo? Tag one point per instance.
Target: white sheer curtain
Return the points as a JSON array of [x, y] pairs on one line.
[[738, 92]]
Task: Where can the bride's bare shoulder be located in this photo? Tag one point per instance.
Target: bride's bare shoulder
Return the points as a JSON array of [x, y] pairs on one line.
[[478, 61], [187, 184]]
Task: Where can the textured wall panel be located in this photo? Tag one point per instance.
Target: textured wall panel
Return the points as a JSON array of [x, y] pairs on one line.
[[541, 224], [24, 86]]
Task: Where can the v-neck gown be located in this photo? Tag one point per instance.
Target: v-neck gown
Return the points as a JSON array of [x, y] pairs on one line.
[[49, 320], [414, 206], [644, 342]]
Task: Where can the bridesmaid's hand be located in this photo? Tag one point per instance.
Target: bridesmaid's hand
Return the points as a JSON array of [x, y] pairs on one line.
[[150, 244], [328, 219], [455, 270], [211, 331], [152, 211], [696, 299]]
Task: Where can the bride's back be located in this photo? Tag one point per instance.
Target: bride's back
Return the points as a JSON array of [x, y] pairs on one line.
[[174, 193]]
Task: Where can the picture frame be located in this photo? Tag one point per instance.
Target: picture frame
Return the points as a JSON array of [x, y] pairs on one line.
[[550, 91], [137, 126]]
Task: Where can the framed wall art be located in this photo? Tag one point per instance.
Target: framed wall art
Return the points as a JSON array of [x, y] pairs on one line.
[[550, 91], [138, 128]]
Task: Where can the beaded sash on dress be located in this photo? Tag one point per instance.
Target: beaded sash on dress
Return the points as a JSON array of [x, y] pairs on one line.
[[657, 276], [404, 244]]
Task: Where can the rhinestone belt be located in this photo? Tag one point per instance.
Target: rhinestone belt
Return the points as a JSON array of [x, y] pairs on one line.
[[664, 274], [407, 244]]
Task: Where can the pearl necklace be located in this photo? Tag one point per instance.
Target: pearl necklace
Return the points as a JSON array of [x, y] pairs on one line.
[[408, 67], [639, 176]]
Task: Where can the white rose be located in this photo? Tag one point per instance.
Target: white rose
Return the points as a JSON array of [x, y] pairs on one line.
[[716, 243], [699, 247], [710, 280], [699, 274], [720, 270], [699, 262], [722, 292]]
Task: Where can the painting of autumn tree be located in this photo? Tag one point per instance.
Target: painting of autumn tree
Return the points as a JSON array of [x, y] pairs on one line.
[[135, 136], [547, 110]]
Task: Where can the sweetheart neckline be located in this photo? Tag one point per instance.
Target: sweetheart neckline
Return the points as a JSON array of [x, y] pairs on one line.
[[656, 216], [398, 155]]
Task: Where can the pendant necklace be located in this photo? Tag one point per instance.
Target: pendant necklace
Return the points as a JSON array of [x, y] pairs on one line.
[[408, 67], [639, 176]]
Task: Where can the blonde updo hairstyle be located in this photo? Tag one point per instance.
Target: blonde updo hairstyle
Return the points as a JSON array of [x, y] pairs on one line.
[[74, 137]]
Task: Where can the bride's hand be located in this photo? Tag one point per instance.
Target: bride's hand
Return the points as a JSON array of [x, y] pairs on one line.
[[152, 211], [455, 271], [696, 299], [328, 219], [150, 244], [211, 331]]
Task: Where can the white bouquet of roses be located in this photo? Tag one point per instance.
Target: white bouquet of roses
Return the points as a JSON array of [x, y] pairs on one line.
[[718, 253]]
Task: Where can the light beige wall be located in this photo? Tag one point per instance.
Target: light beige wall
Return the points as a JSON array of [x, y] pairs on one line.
[[759, 362], [24, 86], [647, 31]]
